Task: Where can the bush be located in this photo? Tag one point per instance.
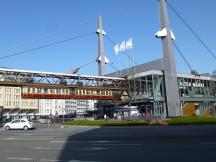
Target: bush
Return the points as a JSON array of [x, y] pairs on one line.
[[192, 120], [106, 123]]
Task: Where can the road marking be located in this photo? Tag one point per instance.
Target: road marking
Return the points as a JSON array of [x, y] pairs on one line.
[[59, 148], [16, 158], [8, 138], [27, 138], [52, 160], [82, 141], [59, 141], [117, 144], [47, 148]]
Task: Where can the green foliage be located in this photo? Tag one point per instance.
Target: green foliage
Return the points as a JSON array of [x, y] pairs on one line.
[[172, 121], [107, 123], [192, 120]]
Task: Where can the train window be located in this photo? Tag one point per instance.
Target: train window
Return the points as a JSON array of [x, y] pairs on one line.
[[57, 91], [88, 92], [71, 91], [98, 92], [66, 91], [45, 90], [24, 90], [52, 91], [102, 93], [77, 91], [94, 92], [84, 92]]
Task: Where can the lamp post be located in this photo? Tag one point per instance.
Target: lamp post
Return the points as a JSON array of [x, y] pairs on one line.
[[63, 112]]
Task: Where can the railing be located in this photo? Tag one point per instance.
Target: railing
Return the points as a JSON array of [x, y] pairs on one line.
[[197, 99]]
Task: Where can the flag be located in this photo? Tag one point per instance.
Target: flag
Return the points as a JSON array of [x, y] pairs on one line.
[[116, 49], [129, 44], [122, 46]]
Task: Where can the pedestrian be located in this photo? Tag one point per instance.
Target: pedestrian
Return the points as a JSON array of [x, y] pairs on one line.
[[49, 122], [105, 117]]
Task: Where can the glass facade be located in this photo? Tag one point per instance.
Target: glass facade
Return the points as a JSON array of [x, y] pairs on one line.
[[149, 90]]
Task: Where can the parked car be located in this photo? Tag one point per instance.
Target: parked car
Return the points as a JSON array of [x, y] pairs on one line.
[[19, 124]]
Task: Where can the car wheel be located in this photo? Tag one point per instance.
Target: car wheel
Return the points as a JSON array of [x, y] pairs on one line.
[[25, 128], [7, 128]]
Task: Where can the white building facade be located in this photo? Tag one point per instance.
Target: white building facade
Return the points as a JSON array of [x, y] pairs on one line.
[[55, 107], [17, 107], [14, 105]]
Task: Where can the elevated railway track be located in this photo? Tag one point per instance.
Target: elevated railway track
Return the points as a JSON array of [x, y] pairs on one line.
[[48, 85]]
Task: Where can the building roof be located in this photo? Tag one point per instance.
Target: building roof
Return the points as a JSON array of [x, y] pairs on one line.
[[179, 75], [153, 65]]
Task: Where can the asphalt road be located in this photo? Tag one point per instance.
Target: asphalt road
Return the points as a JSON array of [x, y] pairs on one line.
[[110, 144]]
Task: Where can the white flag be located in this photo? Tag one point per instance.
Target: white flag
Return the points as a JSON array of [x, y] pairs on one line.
[[129, 44], [116, 49], [122, 46]]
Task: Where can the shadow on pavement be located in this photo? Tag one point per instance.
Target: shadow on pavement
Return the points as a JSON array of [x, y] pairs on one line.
[[141, 144], [101, 144]]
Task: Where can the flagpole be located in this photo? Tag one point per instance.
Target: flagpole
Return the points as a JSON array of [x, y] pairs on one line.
[[119, 65], [133, 63]]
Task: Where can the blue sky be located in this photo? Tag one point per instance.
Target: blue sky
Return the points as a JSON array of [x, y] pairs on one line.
[[27, 24]]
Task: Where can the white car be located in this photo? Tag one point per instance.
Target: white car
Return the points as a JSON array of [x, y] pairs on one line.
[[19, 124]]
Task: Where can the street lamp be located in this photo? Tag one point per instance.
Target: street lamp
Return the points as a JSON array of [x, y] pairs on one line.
[[63, 112]]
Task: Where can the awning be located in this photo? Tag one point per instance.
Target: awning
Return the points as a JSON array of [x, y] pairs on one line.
[[30, 114], [22, 114], [38, 114], [14, 114]]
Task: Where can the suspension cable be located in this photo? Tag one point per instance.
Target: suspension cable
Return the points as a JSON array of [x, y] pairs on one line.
[[113, 11], [75, 70], [47, 45], [84, 65], [192, 31], [49, 35], [115, 68], [182, 55]]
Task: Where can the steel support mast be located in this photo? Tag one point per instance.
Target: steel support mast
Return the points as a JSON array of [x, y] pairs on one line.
[[169, 66], [101, 56]]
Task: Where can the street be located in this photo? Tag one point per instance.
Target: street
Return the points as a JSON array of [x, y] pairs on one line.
[[110, 144]]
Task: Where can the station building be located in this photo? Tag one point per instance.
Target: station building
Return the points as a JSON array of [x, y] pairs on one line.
[[147, 90]]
